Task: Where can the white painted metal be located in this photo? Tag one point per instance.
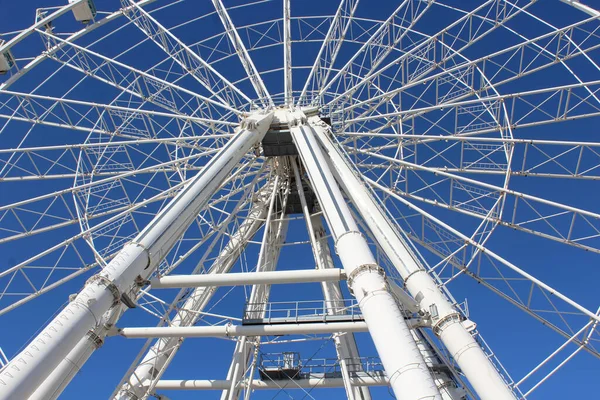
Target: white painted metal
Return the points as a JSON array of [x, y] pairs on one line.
[[244, 330], [44, 22], [512, 266], [84, 11], [447, 321], [409, 376], [204, 73], [247, 278], [41, 23], [273, 237], [345, 344], [257, 384], [3, 359], [443, 379], [382, 115], [244, 56], [583, 7], [32, 366], [62, 375], [332, 43], [6, 60], [148, 91], [346, 347], [156, 359], [381, 42], [408, 303], [287, 53]]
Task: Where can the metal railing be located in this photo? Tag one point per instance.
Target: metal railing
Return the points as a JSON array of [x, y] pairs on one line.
[[319, 367], [303, 311]]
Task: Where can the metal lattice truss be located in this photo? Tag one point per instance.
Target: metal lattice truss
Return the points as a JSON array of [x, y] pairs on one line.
[[182, 157]]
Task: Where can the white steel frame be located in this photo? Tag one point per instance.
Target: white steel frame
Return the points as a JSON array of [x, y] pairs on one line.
[[392, 131]]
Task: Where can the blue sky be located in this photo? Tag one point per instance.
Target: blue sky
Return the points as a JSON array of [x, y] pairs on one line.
[[518, 340]]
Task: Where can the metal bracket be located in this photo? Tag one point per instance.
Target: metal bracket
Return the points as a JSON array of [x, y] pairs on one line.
[[109, 285], [125, 299], [95, 339], [365, 268], [438, 326]]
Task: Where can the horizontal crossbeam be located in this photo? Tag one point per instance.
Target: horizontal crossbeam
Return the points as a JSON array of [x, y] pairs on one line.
[[211, 384], [247, 278], [230, 330]]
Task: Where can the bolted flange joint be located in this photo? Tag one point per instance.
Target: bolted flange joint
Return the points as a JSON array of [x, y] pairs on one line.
[[365, 268], [104, 281], [96, 340], [438, 327]]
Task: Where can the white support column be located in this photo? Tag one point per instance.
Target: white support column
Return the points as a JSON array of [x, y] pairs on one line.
[[443, 380], [157, 357], [273, 238], [132, 265], [345, 343], [446, 320], [409, 377], [61, 376]]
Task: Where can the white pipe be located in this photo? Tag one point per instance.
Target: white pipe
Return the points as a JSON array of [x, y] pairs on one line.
[[158, 355], [21, 377], [404, 298], [54, 385], [481, 373], [554, 353], [409, 376], [65, 371], [244, 330], [274, 235], [345, 345], [39, 24], [247, 278], [582, 7], [446, 385], [256, 384]]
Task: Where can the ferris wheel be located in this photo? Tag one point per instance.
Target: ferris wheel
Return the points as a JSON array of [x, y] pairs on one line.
[[299, 199]]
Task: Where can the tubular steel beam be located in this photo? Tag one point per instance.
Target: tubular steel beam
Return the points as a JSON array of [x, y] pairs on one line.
[[120, 278], [582, 7], [287, 53], [278, 385], [158, 356], [447, 322], [409, 376], [273, 238], [244, 56], [244, 330], [345, 345], [247, 278]]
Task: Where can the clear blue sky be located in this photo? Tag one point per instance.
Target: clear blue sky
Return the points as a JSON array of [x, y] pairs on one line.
[[516, 338]]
